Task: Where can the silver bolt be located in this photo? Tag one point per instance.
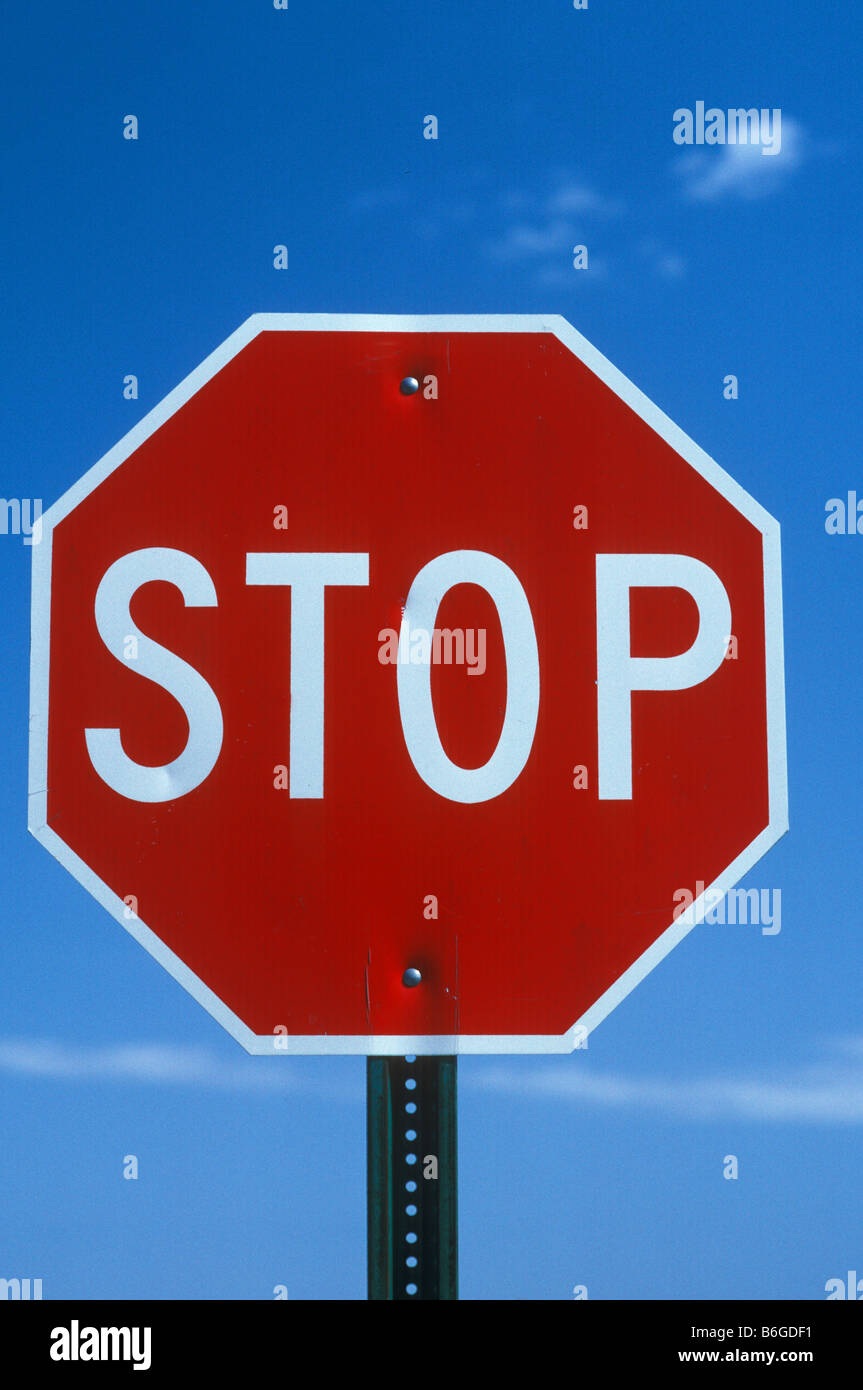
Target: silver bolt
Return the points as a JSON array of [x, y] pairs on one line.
[[411, 977], [409, 386]]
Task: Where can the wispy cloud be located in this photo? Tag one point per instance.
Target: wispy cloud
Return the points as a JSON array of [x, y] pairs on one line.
[[572, 197], [828, 1092], [742, 170], [668, 265], [151, 1063], [538, 239], [543, 229]]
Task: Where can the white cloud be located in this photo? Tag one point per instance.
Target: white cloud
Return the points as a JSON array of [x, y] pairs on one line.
[[524, 240], [151, 1063], [547, 227], [742, 170], [668, 265], [578, 198], [827, 1091], [822, 1092]]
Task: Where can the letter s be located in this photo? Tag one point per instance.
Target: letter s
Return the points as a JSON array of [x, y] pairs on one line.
[[188, 687]]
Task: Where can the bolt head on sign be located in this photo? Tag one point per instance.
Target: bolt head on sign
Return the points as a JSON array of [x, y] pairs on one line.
[[407, 721]]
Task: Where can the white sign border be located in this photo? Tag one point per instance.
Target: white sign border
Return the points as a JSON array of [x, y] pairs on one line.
[[396, 1045]]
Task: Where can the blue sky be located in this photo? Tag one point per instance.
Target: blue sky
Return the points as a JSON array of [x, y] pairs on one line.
[[304, 127]]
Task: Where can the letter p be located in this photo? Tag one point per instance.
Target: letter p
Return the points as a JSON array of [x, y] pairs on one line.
[[618, 672]]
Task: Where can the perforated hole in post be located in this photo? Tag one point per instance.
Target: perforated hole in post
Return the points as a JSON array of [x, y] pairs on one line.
[[410, 1159]]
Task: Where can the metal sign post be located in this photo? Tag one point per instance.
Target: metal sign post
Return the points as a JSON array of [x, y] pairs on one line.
[[412, 1184]]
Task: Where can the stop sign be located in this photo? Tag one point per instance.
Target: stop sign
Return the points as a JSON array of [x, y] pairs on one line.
[[398, 682]]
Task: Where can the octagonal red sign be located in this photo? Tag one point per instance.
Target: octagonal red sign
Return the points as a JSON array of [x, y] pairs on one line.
[[407, 684]]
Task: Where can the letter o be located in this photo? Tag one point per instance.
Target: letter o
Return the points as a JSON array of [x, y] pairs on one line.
[[416, 709]]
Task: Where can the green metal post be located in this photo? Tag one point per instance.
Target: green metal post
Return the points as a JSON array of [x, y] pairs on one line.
[[412, 1178]]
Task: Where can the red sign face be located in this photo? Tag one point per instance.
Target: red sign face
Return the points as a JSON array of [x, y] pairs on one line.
[[407, 645]]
